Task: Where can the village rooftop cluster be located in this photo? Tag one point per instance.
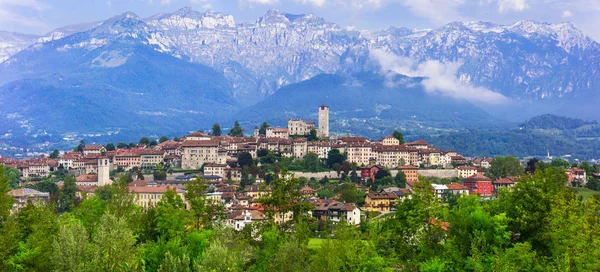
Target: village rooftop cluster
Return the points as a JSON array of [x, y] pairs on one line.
[[237, 185]]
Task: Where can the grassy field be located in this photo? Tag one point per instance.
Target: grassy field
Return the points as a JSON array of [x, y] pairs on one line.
[[585, 192], [315, 243]]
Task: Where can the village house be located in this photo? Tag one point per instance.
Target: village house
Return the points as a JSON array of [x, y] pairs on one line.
[[148, 196], [93, 150], [504, 183], [66, 161], [277, 132], [198, 136], [240, 219], [439, 190], [457, 189], [576, 177], [480, 185], [197, 152], [390, 140], [359, 153], [379, 202], [300, 147], [215, 169], [24, 195], [466, 171], [300, 127], [411, 173], [368, 172], [151, 158], [127, 159], [336, 212]]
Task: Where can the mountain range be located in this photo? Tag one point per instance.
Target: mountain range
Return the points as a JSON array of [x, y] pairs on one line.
[[187, 69]]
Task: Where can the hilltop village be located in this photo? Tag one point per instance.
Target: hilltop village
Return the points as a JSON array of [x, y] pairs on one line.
[[343, 178]]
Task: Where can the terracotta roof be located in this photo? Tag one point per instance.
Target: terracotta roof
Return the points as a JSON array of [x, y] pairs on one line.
[[508, 180], [254, 214], [456, 186], [382, 196], [153, 189], [418, 142], [408, 167], [200, 143], [477, 177], [27, 192], [466, 168], [153, 152], [197, 134], [87, 178], [93, 147]]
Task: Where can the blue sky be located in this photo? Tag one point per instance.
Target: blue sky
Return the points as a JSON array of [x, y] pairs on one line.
[[41, 16]]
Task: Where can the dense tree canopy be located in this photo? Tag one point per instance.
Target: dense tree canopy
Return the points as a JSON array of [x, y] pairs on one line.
[[503, 167], [537, 225], [216, 130], [399, 136], [236, 130]]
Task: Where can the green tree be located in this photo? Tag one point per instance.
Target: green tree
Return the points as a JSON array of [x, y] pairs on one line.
[[110, 147], [66, 201], [13, 175], [171, 215], [311, 162], [558, 162], [285, 197], [237, 130], [245, 159], [163, 139], [398, 135], [132, 145], [81, 146], [39, 226], [144, 141], [216, 130], [503, 167], [312, 135], [263, 128], [54, 154], [122, 145], [335, 157], [153, 143], [72, 250], [114, 246], [400, 179], [203, 212], [44, 186]]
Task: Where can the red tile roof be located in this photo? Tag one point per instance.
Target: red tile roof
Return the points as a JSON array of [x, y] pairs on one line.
[[200, 143]]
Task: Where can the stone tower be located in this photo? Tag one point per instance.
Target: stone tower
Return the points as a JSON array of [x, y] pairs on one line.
[[323, 121], [103, 171]]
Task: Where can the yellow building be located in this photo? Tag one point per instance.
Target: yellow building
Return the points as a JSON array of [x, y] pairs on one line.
[[379, 202], [147, 196]]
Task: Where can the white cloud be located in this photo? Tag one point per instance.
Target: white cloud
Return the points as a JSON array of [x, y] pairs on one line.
[[261, 2], [10, 17], [165, 2], [317, 3], [437, 11], [567, 14], [109, 3], [31, 4], [440, 78], [505, 6], [10, 13]]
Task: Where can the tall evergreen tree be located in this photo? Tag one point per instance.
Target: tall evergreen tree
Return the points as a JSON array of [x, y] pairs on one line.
[[237, 130], [398, 135], [263, 128], [216, 130], [67, 195]]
